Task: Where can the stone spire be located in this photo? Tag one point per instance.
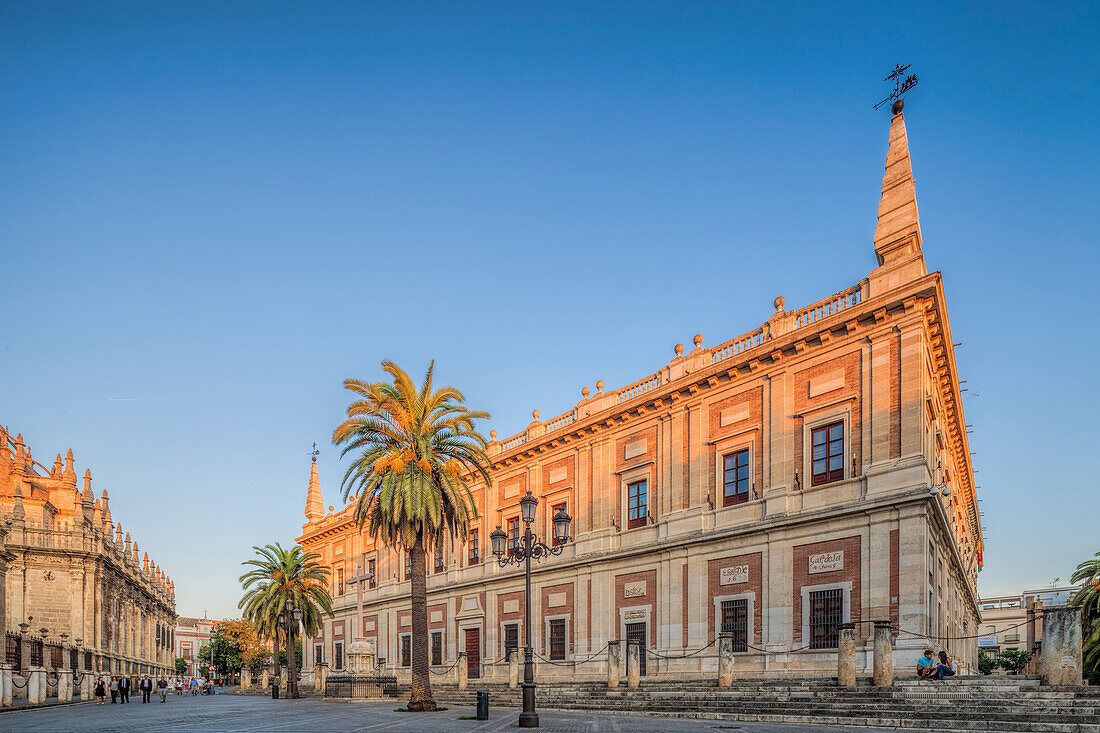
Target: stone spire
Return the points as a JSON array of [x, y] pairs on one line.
[[898, 239], [17, 511], [145, 564], [3, 443], [55, 472], [315, 508], [69, 474]]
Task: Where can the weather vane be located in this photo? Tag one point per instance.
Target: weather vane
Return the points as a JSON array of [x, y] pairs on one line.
[[902, 84], [314, 453]]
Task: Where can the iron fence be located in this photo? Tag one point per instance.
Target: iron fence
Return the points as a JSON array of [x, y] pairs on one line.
[[360, 686]]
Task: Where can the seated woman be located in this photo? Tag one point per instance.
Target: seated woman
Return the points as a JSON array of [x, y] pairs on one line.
[[945, 667]]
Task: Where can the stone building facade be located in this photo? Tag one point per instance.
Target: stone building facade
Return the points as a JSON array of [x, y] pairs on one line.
[[191, 634], [812, 471], [77, 591]]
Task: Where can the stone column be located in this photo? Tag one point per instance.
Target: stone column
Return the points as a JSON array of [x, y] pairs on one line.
[[513, 669], [5, 685], [246, 678], [265, 680], [614, 663], [320, 674], [633, 663], [1060, 662], [37, 686], [725, 660], [64, 687], [460, 669], [884, 655], [846, 656]]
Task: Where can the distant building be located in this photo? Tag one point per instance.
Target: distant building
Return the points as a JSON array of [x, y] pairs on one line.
[[191, 635], [1015, 621], [77, 592]]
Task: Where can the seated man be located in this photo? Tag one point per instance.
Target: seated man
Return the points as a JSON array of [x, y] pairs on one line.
[[926, 665]]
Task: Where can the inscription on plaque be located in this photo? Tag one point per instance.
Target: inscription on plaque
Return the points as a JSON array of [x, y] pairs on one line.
[[634, 614], [634, 590], [635, 449], [827, 562], [735, 574]]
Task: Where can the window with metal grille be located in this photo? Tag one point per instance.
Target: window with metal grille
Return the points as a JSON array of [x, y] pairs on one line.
[[475, 549], [338, 655], [88, 661], [735, 477], [371, 566], [554, 541], [437, 647], [36, 654], [557, 638], [439, 559], [637, 504], [513, 535], [74, 659], [511, 638], [318, 653], [826, 615], [57, 657], [11, 652], [406, 651], [828, 453], [408, 565], [735, 621]]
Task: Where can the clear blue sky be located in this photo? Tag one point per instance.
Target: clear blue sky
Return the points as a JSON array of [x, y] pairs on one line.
[[213, 213]]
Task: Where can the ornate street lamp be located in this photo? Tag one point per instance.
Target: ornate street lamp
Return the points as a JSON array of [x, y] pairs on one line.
[[535, 548], [290, 617]]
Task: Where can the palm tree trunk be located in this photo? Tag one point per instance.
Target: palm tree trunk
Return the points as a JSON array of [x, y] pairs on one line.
[[421, 698]]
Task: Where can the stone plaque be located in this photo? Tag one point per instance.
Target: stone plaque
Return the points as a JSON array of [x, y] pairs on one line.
[[634, 614], [826, 383], [511, 606], [469, 603], [826, 562], [635, 448], [369, 626], [734, 414], [558, 474], [436, 617], [634, 590], [406, 621], [555, 600], [734, 574]]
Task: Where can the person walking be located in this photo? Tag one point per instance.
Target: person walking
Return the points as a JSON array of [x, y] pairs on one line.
[[100, 691], [146, 687], [124, 690], [114, 690], [162, 688]]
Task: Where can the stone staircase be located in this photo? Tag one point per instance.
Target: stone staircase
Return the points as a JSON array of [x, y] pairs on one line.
[[962, 704]]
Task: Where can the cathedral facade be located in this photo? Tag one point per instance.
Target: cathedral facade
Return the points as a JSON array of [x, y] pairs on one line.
[[810, 472], [78, 594]]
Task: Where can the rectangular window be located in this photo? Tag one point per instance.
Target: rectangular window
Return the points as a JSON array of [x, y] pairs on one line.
[[406, 651], [828, 453], [511, 638], [554, 510], [826, 615], [318, 653], [557, 638], [371, 570], [735, 477], [437, 647], [338, 655], [185, 649], [439, 559], [339, 581], [475, 549], [408, 565], [735, 621], [513, 535], [637, 504]]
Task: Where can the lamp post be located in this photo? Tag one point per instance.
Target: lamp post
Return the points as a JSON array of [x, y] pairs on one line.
[[290, 616], [535, 548]]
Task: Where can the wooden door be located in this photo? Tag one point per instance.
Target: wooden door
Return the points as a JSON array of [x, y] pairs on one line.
[[473, 653]]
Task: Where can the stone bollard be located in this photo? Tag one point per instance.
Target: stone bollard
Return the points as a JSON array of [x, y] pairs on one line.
[[633, 663], [725, 660], [320, 675], [87, 686], [513, 669], [884, 655], [246, 678], [614, 664], [460, 668], [1060, 659], [5, 685], [64, 686], [37, 685], [846, 656], [265, 680]]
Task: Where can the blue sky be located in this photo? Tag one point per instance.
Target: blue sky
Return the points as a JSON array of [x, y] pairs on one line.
[[213, 213]]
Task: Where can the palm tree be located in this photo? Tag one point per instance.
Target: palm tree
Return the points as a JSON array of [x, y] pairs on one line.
[[417, 451], [280, 576], [1088, 598]]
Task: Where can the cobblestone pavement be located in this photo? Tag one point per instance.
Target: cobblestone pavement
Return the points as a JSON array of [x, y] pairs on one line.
[[247, 713]]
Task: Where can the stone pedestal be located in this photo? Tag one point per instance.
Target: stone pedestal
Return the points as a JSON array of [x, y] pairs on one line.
[[87, 686], [246, 678], [725, 660], [36, 687], [361, 654], [614, 664], [633, 663], [884, 655], [1060, 662], [320, 674], [265, 680], [513, 669], [846, 656], [5, 685], [460, 668], [64, 686]]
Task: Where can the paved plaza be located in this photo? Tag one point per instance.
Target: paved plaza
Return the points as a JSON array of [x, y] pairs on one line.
[[248, 713]]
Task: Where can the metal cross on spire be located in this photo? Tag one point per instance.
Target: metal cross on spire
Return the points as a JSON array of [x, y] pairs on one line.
[[902, 84], [314, 453]]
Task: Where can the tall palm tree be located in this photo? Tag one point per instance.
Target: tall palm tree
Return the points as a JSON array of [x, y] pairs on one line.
[[416, 453], [1088, 598], [279, 576]]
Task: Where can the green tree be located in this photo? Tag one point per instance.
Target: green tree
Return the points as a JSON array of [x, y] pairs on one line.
[[1013, 660], [416, 453], [181, 666], [278, 576], [986, 663], [297, 655], [1088, 600]]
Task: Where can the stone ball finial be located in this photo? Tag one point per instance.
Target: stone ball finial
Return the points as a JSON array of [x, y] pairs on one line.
[[493, 434], [599, 385], [698, 340], [779, 302], [678, 348], [535, 414], [585, 391], [330, 507]]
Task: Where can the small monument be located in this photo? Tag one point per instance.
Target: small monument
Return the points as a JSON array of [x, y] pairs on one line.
[[361, 656], [361, 681]]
